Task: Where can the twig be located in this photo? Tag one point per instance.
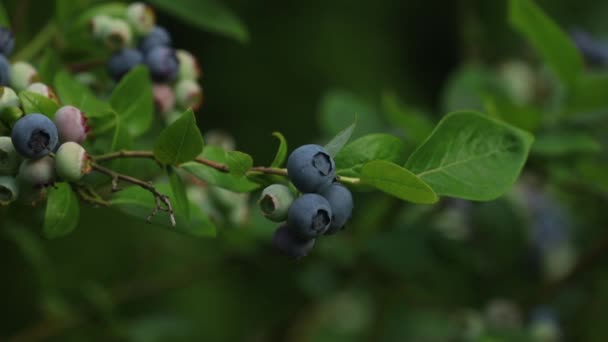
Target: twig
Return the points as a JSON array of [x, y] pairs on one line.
[[90, 196], [160, 198], [86, 66], [268, 171], [150, 155]]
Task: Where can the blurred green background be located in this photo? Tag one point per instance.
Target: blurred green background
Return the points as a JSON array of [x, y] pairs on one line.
[[458, 271]]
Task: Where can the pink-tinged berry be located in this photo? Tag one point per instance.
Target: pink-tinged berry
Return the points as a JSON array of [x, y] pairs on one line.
[[72, 162], [22, 75], [44, 90], [37, 172], [189, 94], [71, 124], [189, 68], [164, 98], [141, 17]]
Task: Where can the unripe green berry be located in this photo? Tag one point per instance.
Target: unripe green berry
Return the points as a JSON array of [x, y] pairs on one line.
[[141, 17], [9, 190], [37, 172], [22, 75], [8, 98], [275, 202], [188, 66], [44, 90], [9, 158], [72, 162], [100, 24], [10, 115], [118, 35], [188, 94]]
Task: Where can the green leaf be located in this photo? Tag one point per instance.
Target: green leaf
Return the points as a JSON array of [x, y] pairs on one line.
[[522, 116], [132, 99], [466, 88], [471, 156], [335, 145], [589, 93], [366, 149], [62, 211], [337, 109], [238, 162], [234, 180], [553, 44], [281, 155], [138, 202], [397, 181], [415, 124], [559, 144], [69, 90], [4, 20], [179, 199], [209, 15], [36, 103], [180, 142]]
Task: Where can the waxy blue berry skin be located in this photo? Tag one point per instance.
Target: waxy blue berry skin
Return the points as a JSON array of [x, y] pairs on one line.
[[310, 168], [341, 201], [163, 64], [5, 71], [34, 136], [7, 41], [594, 51], [121, 62], [309, 216], [291, 245], [158, 37]]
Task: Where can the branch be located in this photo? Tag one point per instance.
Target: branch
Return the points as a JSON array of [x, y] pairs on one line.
[[150, 155], [86, 66], [160, 198]]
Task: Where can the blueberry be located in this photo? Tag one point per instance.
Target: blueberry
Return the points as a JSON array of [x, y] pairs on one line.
[[141, 17], [72, 162], [164, 98], [118, 35], [162, 63], [122, 61], [188, 66], [37, 172], [157, 37], [44, 90], [5, 71], [22, 75], [71, 124], [341, 201], [291, 245], [310, 168], [594, 51], [34, 136], [309, 216], [7, 41], [275, 201], [9, 190], [189, 94]]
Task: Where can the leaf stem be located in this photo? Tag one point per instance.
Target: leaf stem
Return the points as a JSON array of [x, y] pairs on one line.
[[349, 180], [162, 201], [38, 43]]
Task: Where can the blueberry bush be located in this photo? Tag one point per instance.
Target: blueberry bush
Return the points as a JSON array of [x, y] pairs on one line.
[[127, 212]]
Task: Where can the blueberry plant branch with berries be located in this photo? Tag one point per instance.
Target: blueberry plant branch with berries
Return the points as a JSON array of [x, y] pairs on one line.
[[63, 143]]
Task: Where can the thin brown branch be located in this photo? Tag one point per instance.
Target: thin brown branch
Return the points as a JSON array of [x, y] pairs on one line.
[[269, 170], [150, 155], [90, 196], [159, 198], [86, 66]]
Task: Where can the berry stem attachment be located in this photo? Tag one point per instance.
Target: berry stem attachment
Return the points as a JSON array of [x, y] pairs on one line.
[[162, 201]]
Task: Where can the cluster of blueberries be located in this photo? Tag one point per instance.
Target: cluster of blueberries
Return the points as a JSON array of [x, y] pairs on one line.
[[324, 207], [39, 151], [135, 40]]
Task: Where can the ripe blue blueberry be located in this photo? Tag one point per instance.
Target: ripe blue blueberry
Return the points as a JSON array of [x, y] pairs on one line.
[[5, 71], [162, 63], [34, 136], [309, 216], [310, 168], [341, 201], [291, 245], [122, 61], [159, 36], [7, 41]]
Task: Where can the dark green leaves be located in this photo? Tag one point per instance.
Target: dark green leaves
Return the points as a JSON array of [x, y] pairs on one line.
[[559, 144], [36, 103], [336, 144], [281, 155], [397, 181], [471, 156], [180, 200], [62, 211], [180, 142], [132, 99], [210, 15], [553, 45], [371, 147]]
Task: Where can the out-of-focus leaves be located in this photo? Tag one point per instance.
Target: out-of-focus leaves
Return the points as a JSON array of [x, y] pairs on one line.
[[560, 144], [523, 116], [180, 142], [132, 100], [281, 154], [368, 148], [397, 181], [339, 107], [553, 44], [468, 86], [471, 156], [588, 94], [180, 199], [209, 15], [335, 145], [62, 211], [415, 124], [4, 20]]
